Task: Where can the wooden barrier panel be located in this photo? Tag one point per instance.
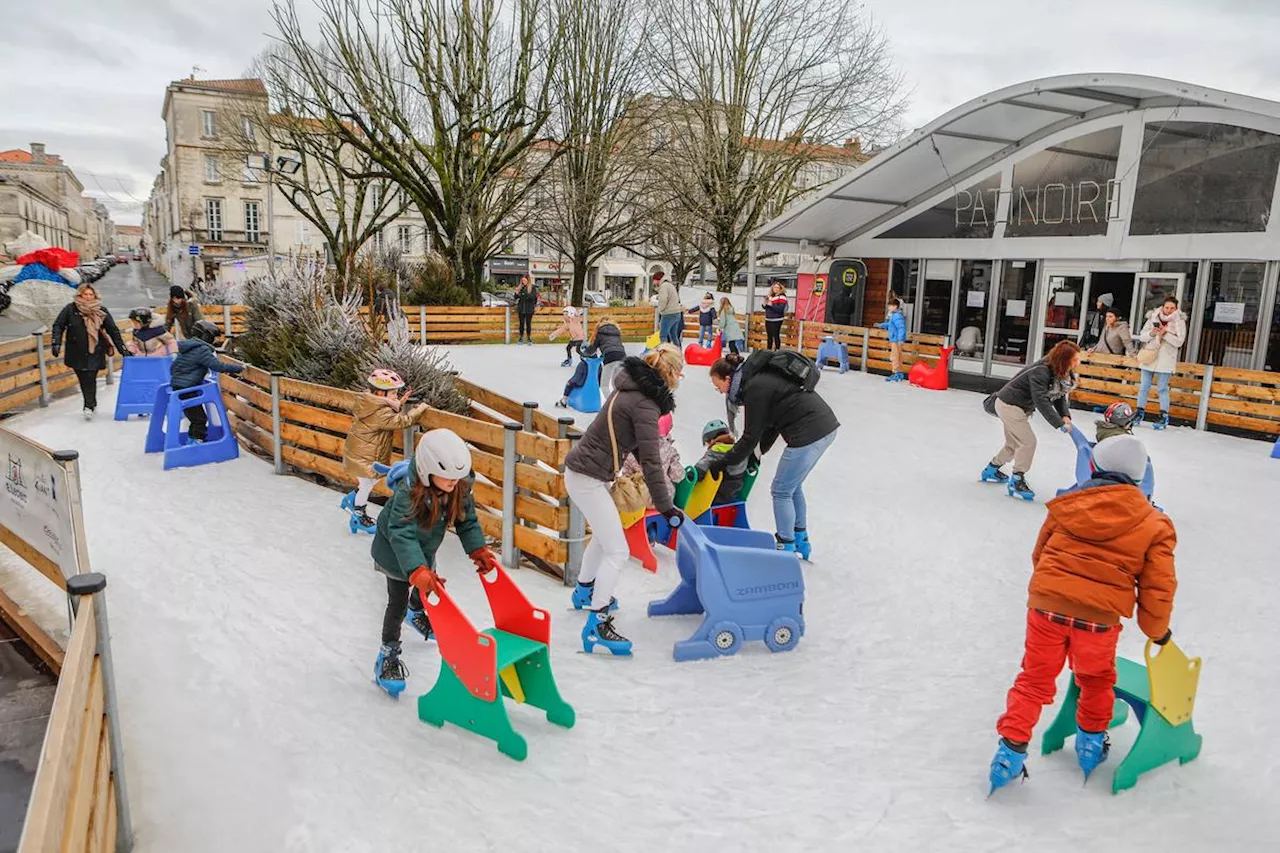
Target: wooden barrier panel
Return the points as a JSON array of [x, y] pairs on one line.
[[1245, 399], [1104, 379]]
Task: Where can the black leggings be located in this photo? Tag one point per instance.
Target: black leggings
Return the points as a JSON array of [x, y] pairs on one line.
[[400, 594], [526, 325], [199, 422], [88, 388], [773, 332], [733, 347], [571, 347]]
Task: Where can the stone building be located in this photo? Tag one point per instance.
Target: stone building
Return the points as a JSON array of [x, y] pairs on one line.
[[44, 195]]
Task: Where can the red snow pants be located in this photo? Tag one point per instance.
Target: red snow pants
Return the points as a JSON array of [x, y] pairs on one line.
[[1049, 644]]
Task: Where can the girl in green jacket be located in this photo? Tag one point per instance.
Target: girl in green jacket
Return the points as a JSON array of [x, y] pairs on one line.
[[434, 493]]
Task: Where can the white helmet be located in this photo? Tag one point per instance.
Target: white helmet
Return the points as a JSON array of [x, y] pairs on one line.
[[443, 453]]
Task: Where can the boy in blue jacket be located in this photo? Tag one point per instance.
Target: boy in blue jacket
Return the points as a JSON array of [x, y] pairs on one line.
[[192, 364], [897, 326]]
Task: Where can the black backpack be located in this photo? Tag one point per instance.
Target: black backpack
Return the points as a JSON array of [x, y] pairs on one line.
[[795, 367]]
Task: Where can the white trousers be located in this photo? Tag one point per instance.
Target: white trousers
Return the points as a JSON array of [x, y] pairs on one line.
[[362, 492], [608, 550], [606, 378]]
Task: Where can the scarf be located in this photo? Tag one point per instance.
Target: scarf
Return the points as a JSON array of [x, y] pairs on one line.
[[91, 311]]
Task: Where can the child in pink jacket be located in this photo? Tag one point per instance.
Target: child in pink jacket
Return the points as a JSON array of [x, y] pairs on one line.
[[666, 449], [572, 326]]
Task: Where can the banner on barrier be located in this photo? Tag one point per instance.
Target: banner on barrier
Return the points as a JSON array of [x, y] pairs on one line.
[[38, 500]]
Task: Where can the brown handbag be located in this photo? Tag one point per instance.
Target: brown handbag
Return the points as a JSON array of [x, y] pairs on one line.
[[630, 494]]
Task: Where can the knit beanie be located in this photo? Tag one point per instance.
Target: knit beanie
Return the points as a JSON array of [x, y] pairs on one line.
[[1107, 300], [176, 292], [1121, 454]]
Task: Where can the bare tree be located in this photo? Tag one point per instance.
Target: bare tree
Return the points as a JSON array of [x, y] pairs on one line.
[[445, 98], [755, 91], [598, 195]]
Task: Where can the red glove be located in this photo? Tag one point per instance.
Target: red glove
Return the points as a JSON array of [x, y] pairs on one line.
[[484, 559], [426, 580]]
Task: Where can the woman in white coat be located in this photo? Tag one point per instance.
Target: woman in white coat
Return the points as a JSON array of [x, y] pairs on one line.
[[1162, 337]]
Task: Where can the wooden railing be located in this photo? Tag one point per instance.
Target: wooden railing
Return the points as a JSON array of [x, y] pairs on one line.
[[517, 452], [29, 374], [868, 347]]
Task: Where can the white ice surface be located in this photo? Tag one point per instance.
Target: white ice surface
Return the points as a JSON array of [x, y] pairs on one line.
[[246, 621]]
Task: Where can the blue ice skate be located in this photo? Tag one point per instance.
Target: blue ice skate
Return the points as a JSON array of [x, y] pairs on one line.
[[1007, 765], [1161, 422], [992, 474], [418, 621], [348, 501], [1091, 750], [788, 545], [582, 594], [389, 671], [1018, 487], [803, 547], [600, 631], [360, 521]]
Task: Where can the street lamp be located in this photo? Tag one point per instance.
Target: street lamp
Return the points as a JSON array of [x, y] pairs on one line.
[[282, 165]]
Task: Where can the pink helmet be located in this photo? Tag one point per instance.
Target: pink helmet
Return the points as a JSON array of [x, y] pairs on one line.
[[664, 424], [385, 380]]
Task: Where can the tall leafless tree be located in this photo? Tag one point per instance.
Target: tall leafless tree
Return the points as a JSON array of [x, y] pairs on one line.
[[598, 195], [446, 98], [755, 91]]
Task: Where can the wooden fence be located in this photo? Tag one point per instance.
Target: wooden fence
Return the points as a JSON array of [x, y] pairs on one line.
[[30, 374], [868, 347], [517, 452]]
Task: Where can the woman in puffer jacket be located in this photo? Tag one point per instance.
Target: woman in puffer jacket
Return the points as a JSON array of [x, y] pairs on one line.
[[1162, 336], [378, 415], [1114, 337], [628, 423]]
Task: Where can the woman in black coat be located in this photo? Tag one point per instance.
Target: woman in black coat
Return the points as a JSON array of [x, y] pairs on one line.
[[526, 304], [91, 336]]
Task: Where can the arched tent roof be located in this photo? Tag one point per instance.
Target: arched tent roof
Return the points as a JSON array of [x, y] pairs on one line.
[[971, 139]]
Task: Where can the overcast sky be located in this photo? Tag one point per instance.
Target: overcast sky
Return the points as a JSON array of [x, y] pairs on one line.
[[87, 77]]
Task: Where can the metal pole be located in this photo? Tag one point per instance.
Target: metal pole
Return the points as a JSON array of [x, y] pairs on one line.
[[271, 221], [409, 437], [1206, 389], [44, 369], [93, 584], [751, 274], [277, 444], [422, 324], [510, 556], [657, 321], [866, 345], [577, 532], [226, 320], [800, 339], [111, 366], [507, 332]]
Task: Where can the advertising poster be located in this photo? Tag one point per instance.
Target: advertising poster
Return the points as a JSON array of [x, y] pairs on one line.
[[36, 505]]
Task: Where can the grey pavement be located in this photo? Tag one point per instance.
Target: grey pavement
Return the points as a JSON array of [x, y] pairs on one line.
[[123, 288]]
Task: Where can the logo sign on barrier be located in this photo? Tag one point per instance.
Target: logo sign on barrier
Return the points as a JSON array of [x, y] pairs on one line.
[[37, 501]]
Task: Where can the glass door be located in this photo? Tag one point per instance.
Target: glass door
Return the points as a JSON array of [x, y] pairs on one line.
[[1066, 297], [1014, 314], [972, 308], [935, 308], [1151, 292]]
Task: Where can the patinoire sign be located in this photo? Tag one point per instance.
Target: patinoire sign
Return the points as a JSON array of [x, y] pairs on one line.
[[1050, 204], [37, 502]]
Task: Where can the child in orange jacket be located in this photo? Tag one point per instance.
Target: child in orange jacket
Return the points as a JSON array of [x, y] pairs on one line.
[[1103, 548]]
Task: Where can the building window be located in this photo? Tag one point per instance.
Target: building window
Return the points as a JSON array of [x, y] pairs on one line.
[[1066, 190], [1201, 178], [967, 213], [252, 222], [212, 175], [1015, 306], [213, 217], [378, 242], [426, 241], [1230, 321], [302, 232], [375, 192], [207, 125], [247, 127], [404, 239]]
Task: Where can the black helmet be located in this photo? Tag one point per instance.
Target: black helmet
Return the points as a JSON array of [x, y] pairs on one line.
[[205, 331], [142, 315]]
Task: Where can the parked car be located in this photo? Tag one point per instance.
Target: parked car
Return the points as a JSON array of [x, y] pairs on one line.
[[595, 300], [89, 272], [122, 259], [492, 300]]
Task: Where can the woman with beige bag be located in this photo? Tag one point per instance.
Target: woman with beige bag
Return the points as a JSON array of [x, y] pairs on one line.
[[628, 423], [1162, 336]]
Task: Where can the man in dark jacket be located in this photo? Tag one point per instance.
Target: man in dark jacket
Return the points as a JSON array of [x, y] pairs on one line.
[[778, 407], [192, 364], [526, 304]]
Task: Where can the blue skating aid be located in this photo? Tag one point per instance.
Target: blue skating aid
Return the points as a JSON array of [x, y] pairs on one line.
[[586, 398], [1275, 451], [164, 432], [393, 686], [744, 588], [139, 379], [831, 350], [1007, 765]]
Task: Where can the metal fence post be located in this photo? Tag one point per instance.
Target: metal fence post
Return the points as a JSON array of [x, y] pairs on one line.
[[510, 556], [1206, 390], [277, 444], [800, 340], [577, 532], [422, 324], [657, 324], [226, 320], [409, 437], [44, 369], [111, 366], [866, 346], [507, 330], [93, 583]]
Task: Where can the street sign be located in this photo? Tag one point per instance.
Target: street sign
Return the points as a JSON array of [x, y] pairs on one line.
[[193, 250]]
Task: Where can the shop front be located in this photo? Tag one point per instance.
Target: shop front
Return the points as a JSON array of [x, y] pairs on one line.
[[553, 279], [1014, 221], [505, 272]]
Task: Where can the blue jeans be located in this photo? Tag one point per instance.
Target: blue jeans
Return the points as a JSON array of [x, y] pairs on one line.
[[705, 336], [789, 510], [670, 328], [1162, 389]]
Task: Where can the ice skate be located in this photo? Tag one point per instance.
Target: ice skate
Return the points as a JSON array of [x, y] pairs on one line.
[[389, 671], [1007, 765], [992, 474], [599, 630], [87, 414], [803, 547], [348, 501], [566, 362], [1161, 422], [785, 544], [1091, 750], [420, 622], [361, 522], [582, 597], [1018, 487], [562, 403]]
